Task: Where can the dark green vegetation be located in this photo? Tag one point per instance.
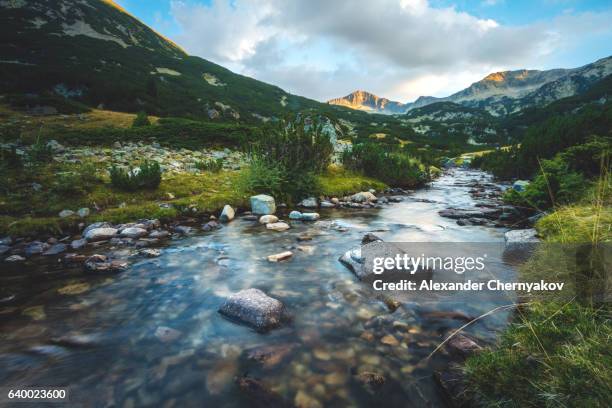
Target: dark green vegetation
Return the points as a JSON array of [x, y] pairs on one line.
[[394, 167], [555, 354], [147, 176], [141, 119], [557, 351], [286, 157]]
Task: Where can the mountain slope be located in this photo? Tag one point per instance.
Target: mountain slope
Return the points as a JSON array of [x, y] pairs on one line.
[[366, 101], [92, 51]]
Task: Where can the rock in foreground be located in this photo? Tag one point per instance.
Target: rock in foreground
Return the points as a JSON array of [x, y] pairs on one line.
[[254, 308]]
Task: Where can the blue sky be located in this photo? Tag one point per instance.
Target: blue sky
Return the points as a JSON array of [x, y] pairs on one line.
[[399, 49]]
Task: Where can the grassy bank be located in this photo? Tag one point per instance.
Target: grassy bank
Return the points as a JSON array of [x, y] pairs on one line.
[[557, 350], [36, 213]]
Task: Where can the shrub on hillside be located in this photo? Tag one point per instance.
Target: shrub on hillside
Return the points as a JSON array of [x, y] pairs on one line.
[[591, 158], [264, 177], [147, 176], [556, 184], [76, 181], [394, 168], [212, 165], [141, 120], [289, 153], [40, 152]]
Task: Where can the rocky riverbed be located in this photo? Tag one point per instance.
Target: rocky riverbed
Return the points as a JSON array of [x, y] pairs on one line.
[[133, 314]]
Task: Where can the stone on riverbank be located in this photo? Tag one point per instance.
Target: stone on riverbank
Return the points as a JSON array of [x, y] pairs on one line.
[[35, 248], [363, 197], [462, 345], [254, 308], [227, 214], [78, 243], [520, 185], [133, 232], [309, 202], [100, 234], [268, 219], [263, 204], [101, 263], [56, 249], [295, 215], [211, 226], [83, 212]]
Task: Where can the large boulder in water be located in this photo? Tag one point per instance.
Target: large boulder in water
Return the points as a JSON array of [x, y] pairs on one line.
[[254, 308], [263, 204], [520, 244]]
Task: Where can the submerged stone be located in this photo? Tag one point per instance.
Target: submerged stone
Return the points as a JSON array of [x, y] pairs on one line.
[[277, 226], [254, 308]]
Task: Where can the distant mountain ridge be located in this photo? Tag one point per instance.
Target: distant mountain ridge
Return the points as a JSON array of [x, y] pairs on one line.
[[366, 101], [502, 93]]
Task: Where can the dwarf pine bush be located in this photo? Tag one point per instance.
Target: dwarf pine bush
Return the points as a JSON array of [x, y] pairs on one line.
[[147, 176]]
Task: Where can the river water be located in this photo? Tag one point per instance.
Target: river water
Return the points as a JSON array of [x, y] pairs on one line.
[[151, 336]]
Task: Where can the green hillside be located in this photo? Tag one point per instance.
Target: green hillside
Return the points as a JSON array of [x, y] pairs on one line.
[[95, 53]]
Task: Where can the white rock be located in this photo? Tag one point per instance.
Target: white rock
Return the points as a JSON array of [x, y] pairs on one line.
[[100, 234], [263, 204], [227, 214], [133, 232], [278, 226], [268, 219], [363, 197], [83, 212], [280, 257]]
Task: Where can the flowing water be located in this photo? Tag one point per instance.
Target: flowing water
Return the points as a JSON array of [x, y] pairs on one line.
[[151, 336]]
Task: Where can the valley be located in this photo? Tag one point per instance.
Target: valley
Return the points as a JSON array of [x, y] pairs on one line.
[[173, 233]]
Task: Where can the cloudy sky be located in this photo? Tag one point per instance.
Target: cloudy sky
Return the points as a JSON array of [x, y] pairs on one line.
[[400, 49]]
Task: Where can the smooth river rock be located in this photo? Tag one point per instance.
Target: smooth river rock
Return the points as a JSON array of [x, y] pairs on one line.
[[268, 219], [227, 214], [309, 202], [100, 234], [254, 308], [263, 204], [277, 226]]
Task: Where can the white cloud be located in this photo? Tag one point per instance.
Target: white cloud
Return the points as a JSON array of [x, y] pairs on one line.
[[397, 48]]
